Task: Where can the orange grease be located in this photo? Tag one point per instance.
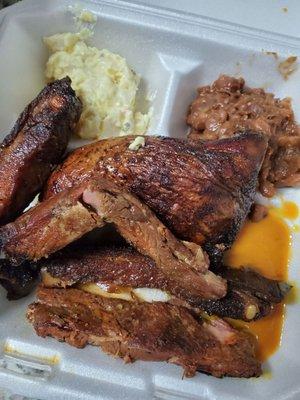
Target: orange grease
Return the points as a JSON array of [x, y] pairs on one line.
[[288, 210], [265, 246], [266, 330]]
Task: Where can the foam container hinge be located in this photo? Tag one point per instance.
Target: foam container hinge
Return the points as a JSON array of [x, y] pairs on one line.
[[174, 53]]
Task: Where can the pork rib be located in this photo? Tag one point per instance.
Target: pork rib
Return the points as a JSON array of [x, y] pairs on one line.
[[60, 220], [144, 331], [35, 146], [201, 192], [122, 269], [48, 227]]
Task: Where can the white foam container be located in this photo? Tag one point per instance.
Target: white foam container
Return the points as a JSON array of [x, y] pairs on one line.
[[174, 53]]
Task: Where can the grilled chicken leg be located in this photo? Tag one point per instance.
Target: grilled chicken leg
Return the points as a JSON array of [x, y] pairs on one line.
[[202, 192]]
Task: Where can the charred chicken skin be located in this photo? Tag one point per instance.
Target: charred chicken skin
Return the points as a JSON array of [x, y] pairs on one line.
[[167, 198], [35, 146], [202, 192]]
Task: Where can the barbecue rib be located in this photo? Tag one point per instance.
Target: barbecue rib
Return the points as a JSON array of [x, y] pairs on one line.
[[201, 192], [61, 219], [35, 146], [144, 331], [119, 271]]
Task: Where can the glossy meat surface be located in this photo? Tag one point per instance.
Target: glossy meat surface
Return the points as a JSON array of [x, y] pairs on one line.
[[202, 192], [48, 227], [144, 331], [268, 290], [60, 220], [35, 146], [250, 295], [120, 266]]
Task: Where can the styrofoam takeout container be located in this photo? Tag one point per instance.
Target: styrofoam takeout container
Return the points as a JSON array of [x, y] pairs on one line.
[[174, 53]]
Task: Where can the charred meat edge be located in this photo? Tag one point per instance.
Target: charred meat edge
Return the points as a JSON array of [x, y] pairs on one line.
[[144, 331], [55, 223], [250, 295], [201, 191], [35, 146], [19, 280]]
